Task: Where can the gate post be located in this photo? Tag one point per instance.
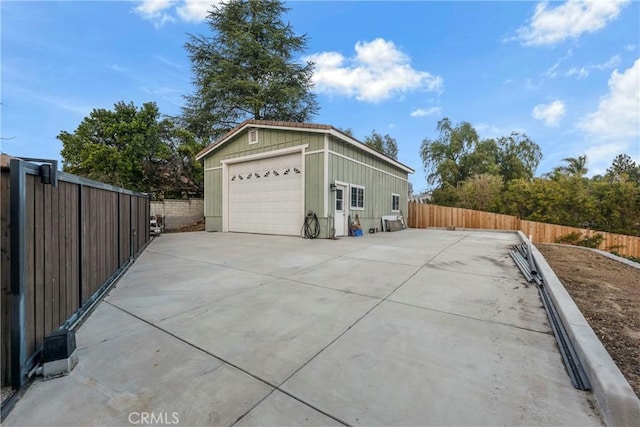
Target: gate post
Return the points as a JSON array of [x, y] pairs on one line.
[[18, 220]]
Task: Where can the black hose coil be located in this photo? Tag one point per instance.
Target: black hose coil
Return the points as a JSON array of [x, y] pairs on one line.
[[311, 226]]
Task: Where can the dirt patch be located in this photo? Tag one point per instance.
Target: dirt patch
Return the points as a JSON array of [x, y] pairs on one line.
[[608, 294]]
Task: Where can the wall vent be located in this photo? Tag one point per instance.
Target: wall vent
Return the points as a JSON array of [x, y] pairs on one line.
[[253, 136]]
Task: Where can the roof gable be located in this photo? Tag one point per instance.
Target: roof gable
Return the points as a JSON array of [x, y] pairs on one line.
[[307, 127]]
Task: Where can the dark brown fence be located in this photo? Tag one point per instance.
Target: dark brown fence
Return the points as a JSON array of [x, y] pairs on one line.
[[63, 244], [427, 215]]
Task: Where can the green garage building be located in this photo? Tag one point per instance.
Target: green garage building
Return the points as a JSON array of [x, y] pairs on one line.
[[264, 176]]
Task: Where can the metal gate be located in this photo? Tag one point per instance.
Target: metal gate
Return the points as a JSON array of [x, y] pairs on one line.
[[69, 238]]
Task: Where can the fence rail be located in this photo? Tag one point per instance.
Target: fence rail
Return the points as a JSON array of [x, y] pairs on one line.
[[427, 215], [61, 245]]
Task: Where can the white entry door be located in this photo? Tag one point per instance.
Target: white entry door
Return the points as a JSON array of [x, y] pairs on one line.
[[341, 216], [266, 195]]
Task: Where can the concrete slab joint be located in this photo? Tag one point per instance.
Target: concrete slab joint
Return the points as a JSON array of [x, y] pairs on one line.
[[422, 327], [617, 401]]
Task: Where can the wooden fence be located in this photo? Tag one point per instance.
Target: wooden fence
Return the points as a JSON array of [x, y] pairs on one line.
[[62, 245], [426, 215]]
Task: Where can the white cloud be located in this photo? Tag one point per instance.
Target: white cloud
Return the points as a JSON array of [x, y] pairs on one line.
[[618, 114], [156, 11], [163, 11], [580, 73], [422, 112], [195, 10], [550, 25], [631, 47], [152, 8], [583, 72], [378, 71], [166, 61], [529, 84], [64, 103], [612, 63], [552, 71], [601, 155], [116, 67], [488, 130], [550, 113]]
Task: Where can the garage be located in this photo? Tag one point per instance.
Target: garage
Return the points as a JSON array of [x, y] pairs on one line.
[[266, 195], [266, 177]]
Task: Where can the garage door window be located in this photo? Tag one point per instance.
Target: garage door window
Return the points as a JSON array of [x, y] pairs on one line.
[[357, 197]]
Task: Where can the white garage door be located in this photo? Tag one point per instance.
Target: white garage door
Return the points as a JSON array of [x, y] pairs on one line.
[[265, 196]]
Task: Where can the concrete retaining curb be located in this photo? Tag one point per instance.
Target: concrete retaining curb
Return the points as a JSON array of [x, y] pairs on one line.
[[616, 399]]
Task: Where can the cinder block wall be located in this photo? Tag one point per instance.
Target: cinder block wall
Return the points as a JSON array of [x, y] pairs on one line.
[[178, 212]]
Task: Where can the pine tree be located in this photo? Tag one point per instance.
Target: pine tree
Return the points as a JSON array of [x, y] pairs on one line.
[[248, 69]]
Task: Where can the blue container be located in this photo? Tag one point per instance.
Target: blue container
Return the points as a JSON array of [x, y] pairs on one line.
[[357, 233]]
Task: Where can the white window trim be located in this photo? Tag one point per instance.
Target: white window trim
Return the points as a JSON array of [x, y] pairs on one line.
[[255, 132], [364, 198], [392, 196], [326, 176]]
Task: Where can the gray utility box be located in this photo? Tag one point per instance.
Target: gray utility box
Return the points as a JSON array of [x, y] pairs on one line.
[[59, 354]]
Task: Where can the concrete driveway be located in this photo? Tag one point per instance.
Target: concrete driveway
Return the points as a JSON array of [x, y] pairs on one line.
[[413, 328]]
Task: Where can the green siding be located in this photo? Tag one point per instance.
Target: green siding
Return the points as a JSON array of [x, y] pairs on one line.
[[268, 140], [379, 186], [314, 183], [213, 199], [364, 157]]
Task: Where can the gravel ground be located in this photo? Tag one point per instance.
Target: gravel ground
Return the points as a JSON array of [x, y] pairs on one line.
[[6, 392]]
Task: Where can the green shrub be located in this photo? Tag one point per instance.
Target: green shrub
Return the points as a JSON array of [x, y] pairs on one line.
[[570, 239], [576, 239]]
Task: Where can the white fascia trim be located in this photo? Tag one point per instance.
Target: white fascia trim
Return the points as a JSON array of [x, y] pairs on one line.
[[306, 153], [303, 199], [326, 175], [264, 155], [213, 169], [225, 198], [366, 165]]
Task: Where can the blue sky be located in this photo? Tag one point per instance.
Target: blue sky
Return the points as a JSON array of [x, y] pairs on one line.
[[565, 73]]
